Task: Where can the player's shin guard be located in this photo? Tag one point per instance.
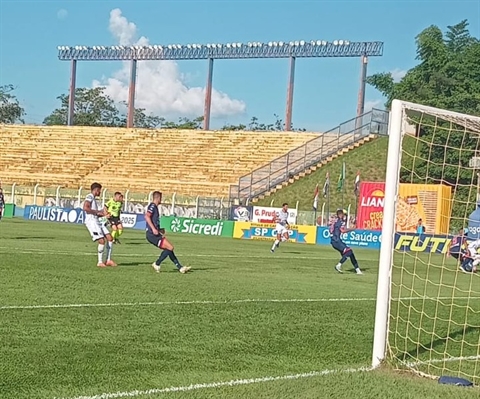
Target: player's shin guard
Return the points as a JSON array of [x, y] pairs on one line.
[[353, 260], [164, 255], [109, 250], [174, 259], [275, 244], [101, 247]]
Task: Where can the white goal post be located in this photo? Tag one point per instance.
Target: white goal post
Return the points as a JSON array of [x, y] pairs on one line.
[[431, 317]]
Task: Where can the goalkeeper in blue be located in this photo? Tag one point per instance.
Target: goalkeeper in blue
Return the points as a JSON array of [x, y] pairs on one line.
[[337, 228]]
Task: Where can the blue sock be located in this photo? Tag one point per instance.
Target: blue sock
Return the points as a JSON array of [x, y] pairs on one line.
[[353, 260], [174, 259], [165, 253]]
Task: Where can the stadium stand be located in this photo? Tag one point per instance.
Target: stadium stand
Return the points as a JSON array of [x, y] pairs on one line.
[[188, 162]]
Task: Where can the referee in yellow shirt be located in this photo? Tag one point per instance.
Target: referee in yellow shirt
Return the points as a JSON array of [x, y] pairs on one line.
[[114, 207]]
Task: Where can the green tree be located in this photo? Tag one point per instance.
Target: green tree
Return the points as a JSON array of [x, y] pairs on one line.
[[448, 77], [92, 108], [10, 109], [256, 125], [186, 123], [142, 120]]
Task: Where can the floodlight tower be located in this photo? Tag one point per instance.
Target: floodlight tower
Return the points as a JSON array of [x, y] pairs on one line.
[[291, 50]]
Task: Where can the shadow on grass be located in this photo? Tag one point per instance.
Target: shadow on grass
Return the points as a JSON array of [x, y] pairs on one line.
[[423, 348], [166, 268], [35, 238]]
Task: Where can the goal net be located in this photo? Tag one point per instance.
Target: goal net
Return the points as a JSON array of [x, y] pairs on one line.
[[428, 309]]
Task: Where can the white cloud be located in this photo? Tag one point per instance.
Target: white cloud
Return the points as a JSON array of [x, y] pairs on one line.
[[161, 88], [62, 14], [372, 104], [398, 74]]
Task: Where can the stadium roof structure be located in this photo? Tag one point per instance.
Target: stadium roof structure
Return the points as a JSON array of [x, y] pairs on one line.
[[212, 51], [298, 49]]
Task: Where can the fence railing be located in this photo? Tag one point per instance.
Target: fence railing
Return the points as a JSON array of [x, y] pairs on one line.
[[311, 153], [173, 205], [134, 202]]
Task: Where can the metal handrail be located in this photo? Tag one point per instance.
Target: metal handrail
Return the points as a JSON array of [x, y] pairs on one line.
[[298, 160]]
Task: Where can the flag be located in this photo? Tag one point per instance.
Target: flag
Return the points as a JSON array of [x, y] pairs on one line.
[[315, 198], [356, 190], [326, 186], [341, 178]]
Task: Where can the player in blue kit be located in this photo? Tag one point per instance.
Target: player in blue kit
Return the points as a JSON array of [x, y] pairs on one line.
[[458, 245], [465, 254], [337, 228], [156, 235]]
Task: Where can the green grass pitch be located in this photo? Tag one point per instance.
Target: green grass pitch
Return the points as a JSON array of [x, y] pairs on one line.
[[242, 314]]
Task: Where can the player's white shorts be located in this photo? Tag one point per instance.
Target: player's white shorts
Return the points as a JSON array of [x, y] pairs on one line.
[[281, 229], [97, 230]]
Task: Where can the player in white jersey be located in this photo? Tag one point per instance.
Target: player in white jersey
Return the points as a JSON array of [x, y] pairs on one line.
[[97, 229], [473, 252], [282, 226]]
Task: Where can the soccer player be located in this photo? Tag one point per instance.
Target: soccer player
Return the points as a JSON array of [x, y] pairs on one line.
[[337, 228], [156, 236], [457, 248], [466, 256], [114, 206], [2, 202], [473, 254], [281, 219], [97, 229]]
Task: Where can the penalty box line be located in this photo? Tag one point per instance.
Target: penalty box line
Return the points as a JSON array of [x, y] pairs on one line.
[[215, 302], [221, 384]]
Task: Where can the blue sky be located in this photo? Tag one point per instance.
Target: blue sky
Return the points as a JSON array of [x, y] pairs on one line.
[[325, 89]]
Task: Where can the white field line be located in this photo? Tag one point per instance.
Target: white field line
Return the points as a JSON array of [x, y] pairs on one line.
[[231, 383], [13, 250], [212, 302]]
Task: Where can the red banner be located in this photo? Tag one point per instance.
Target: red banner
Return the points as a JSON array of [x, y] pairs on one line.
[[370, 205]]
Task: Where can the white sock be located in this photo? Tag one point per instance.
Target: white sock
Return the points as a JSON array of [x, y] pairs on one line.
[[275, 244], [284, 239], [109, 250], [476, 262], [100, 252]]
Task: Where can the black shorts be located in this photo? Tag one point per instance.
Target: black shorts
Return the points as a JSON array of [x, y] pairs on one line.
[[155, 240], [114, 220]]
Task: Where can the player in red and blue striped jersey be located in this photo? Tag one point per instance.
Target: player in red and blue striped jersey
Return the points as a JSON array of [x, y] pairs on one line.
[[464, 253], [337, 228], [156, 236], [458, 245]]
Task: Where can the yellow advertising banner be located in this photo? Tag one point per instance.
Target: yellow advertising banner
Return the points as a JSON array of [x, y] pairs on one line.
[[430, 202], [266, 232]]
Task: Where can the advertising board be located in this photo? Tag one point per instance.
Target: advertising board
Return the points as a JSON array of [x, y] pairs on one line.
[[266, 214], [266, 232], [204, 227], [76, 216]]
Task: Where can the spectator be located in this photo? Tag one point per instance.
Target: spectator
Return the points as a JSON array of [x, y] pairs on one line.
[[420, 230]]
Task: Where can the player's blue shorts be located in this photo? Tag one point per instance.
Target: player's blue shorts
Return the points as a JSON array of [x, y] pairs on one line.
[[154, 240], [340, 247], [456, 252]]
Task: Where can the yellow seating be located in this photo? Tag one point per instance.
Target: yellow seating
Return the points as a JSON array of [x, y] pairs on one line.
[[188, 162]]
